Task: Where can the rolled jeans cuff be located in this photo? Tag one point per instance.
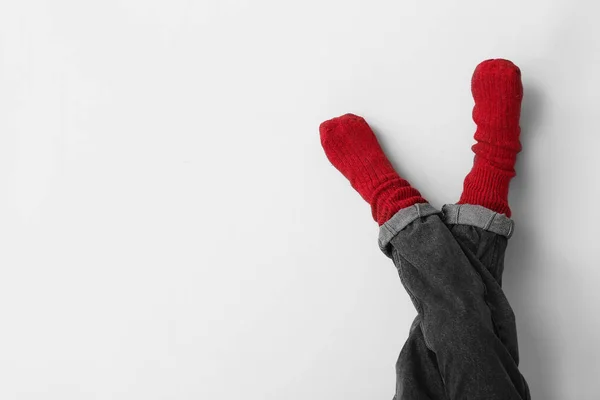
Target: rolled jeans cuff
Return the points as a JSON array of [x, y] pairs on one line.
[[481, 217], [399, 221], [451, 214]]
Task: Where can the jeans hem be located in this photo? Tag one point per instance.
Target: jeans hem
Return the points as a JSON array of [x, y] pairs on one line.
[[479, 216], [400, 220]]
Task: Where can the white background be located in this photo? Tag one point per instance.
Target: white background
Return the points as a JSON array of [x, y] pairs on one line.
[[171, 229]]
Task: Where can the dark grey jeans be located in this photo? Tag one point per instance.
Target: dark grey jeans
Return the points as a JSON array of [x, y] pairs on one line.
[[463, 343]]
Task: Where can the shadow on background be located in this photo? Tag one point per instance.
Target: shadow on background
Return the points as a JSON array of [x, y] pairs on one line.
[[520, 259]]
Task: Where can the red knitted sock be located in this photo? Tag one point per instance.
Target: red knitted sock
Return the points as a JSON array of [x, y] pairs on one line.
[[498, 92], [352, 148]]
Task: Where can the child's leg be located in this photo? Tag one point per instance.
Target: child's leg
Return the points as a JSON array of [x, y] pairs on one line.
[[498, 92], [477, 222]]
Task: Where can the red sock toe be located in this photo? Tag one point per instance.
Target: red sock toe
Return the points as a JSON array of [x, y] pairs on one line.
[[352, 148], [497, 91]]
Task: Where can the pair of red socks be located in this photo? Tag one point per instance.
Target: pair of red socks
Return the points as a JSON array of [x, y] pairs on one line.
[[352, 148]]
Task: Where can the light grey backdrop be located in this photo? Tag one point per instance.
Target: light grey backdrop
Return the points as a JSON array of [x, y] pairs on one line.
[[169, 225]]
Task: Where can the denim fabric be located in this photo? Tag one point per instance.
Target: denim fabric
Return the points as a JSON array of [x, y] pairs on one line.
[[399, 221], [463, 343]]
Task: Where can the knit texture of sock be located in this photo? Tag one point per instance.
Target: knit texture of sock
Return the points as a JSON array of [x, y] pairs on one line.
[[498, 92], [351, 146]]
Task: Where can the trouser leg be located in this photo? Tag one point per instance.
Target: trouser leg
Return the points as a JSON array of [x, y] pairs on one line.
[[417, 373], [483, 236]]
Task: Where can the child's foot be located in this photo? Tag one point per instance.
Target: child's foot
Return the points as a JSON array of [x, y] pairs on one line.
[[498, 92], [352, 148]]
